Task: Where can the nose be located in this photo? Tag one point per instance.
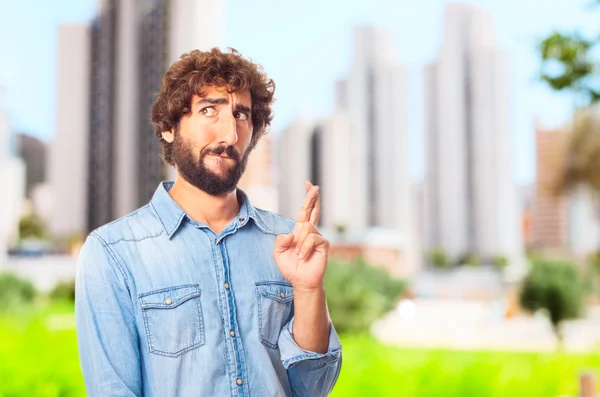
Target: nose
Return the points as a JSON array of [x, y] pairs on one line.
[[228, 131]]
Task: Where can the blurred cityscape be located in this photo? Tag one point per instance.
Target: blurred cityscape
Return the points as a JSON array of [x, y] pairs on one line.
[[463, 235]]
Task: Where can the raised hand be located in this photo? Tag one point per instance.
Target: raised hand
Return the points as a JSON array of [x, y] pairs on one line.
[[302, 254]]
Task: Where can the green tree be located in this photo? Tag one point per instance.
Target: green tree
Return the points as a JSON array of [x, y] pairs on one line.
[[556, 287], [569, 63]]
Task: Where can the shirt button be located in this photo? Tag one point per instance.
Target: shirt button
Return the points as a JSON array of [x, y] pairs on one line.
[[168, 301], [226, 285], [239, 381], [241, 219], [282, 295], [231, 333]]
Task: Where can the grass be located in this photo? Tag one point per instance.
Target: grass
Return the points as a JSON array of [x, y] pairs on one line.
[[372, 369], [38, 351], [38, 358]]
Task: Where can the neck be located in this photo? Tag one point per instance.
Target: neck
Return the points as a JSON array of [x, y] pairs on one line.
[[215, 211]]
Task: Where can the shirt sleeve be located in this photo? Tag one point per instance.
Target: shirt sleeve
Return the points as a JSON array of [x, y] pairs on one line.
[[106, 330], [310, 373]]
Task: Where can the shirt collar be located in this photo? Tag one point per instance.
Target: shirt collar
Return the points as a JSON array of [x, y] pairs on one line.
[[170, 213]]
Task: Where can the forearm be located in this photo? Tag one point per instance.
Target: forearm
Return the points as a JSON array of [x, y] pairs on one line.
[[311, 320]]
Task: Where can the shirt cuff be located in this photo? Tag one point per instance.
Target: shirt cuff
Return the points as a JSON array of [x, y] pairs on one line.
[[291, 353]]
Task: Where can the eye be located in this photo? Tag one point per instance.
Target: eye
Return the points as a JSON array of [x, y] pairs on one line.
[[241, 116], [208, 111]]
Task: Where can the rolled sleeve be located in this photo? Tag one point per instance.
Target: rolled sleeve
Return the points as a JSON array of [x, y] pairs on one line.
[[310, 373]]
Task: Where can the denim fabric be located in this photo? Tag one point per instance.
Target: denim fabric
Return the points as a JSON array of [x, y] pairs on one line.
[[165, 307]]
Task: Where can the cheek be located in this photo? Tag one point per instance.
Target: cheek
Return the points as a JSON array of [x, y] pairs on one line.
[[245, 133], [244, 140], [203, 134]]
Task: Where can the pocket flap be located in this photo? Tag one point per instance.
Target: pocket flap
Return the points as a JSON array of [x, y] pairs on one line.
[[168, 298], [277, 290]]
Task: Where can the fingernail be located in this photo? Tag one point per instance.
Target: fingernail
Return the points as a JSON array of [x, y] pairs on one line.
[[300, 255]]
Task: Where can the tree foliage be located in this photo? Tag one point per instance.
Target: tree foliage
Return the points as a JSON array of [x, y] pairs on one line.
[[556, 287], [358, 294]]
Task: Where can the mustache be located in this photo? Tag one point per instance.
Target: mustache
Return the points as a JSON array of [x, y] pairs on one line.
[[219, 150]]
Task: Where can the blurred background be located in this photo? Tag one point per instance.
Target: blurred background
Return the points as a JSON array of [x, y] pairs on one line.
[[457, 146]]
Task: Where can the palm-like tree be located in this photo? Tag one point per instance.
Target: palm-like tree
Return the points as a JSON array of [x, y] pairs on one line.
[[568, 64], [581, 165]]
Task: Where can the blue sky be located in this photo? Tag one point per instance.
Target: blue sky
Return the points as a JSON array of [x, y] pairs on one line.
[[306, 46]]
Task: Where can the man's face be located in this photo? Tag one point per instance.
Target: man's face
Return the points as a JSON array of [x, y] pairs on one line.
[[210, 148]]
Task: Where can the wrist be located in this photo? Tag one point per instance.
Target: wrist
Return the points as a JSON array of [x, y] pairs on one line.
[[309, 297], [308, 291]]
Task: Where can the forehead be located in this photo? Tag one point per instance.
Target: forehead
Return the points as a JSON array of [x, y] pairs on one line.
[[211, 91]]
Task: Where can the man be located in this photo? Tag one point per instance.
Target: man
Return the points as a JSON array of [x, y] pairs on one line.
[[198, 293]]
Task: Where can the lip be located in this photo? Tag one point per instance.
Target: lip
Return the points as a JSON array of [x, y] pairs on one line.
[[216, 155]]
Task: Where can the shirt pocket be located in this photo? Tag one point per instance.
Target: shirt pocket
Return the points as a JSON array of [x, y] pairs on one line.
[[275, 301], [173, 319]]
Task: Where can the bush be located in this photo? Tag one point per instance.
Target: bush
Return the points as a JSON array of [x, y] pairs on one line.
[[556, 287], [31, 226], [359, 294], [63, 291], [439, 259], [15, 291], [469, 259], [500, 262]]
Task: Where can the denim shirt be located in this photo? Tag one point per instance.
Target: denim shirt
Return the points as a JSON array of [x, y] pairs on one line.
[[165, 307]]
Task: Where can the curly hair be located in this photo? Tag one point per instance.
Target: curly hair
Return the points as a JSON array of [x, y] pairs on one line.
[[196, 70]]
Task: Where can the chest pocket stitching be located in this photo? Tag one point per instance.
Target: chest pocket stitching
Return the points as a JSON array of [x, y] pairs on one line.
[[273, 310], [157, 314]]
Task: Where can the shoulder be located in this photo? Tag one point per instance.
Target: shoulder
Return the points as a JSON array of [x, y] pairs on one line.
[[138, 225], [273, 223]]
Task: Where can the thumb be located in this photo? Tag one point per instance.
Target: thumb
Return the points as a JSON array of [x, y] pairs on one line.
[[283, 242]]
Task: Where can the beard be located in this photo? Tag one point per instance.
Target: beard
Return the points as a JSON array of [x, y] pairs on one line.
[[196, 173]]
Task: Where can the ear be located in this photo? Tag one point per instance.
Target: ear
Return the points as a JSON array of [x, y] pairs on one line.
[[169, 136]]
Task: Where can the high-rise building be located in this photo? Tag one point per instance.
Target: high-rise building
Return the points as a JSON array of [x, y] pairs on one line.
[[68, 157], [33, 152], [549, 221], [12, 174], [561, 222], [584, 229], [131, 45], [258, 180], [471, 199], [317, 151], [296, 164], [129, 56], [373, 95], [103, 104]]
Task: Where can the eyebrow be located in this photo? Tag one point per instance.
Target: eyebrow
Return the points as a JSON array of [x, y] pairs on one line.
[[223, 101]]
